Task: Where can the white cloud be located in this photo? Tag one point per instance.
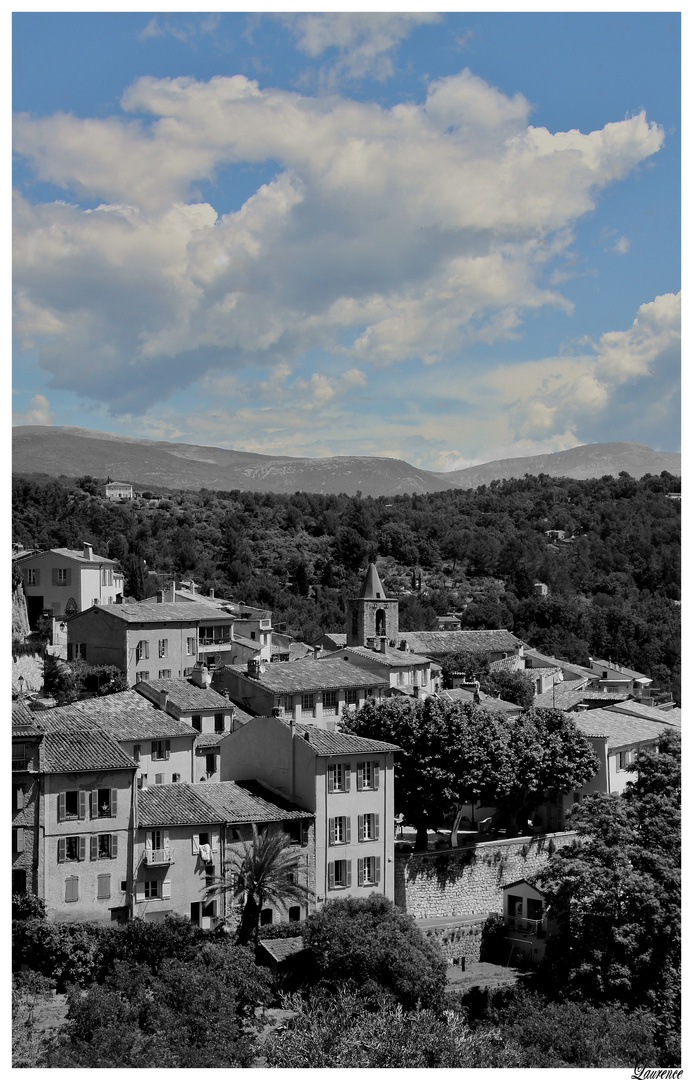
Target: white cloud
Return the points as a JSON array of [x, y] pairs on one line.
[[37, 414], [385, 235], [363, 39], [621, 246]]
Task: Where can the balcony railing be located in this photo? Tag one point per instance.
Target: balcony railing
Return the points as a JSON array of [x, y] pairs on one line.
[[225, 640], [159, 856], [535, 927]]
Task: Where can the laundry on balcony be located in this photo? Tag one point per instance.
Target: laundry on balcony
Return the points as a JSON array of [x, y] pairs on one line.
[[206, 853]]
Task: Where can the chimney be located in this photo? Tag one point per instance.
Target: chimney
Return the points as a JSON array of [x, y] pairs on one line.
[[119, 598], [88, 552], [192, 587], [253, 669], [173, 591], [200, 676], [316, 652], [163, 700], [159, 597], [383, 644], [211, 594], [306, 736]]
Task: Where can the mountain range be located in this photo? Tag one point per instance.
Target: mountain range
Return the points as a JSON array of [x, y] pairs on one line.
[[74, 451]]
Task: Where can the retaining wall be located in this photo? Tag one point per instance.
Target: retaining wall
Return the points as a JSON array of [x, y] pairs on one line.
[[469, 881]]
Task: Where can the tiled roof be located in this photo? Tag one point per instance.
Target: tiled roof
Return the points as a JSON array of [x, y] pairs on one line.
[[551, 661], [186, 696], [77, 556], [326, 743], [567, 695], [82, 751], [246, 642], [149, 611], [619, 730], [185, 804], [535, 672], [508, 663], [338, 641], [22, 716], [628, 672], [647, 712], [210, 738], [305, 676], [280, 948], [427, 642], [126, 715], [392, 658], [488, 702]]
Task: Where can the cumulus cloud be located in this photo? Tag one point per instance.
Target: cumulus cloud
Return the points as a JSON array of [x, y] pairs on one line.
[[38, 413], [385, 235], [363, 40], [181, 29]]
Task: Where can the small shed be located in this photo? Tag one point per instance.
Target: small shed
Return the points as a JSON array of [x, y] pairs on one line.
[[524, 915], [280, 955]]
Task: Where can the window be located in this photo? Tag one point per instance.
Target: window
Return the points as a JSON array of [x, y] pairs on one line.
[[340, 830], [164, 673], [369, 827], [72, 849], [104, 576], [158, 778], [152, 890], [196, 722], [210, 764], [187, 672], [252, 635], [329, 701], [190, 646], [369, 871], [338, 777], [163, 647], [351, 697], [17, 841], [71, 805], [32, 577], [339, 874], [308, 703], [161, 749], [624, 758], [142, 676], [21, 756], [424, 677], [104, 846], [136, 753], [103, 887], [218, 721], [62, 577], [367, 776], [535, 909], [123, 886], [297, 831], [19, 881], [142, 651], [18, 797], [294, 913], [79, 650], [175, 779], [71, 889], [354, 623], [209, 910], [266, 916], [104, 802]]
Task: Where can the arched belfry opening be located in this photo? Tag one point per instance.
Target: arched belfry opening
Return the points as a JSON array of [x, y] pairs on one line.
[[372, 615]]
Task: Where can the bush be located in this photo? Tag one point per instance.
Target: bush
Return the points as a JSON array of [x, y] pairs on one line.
[[28, 906], [494, 944]]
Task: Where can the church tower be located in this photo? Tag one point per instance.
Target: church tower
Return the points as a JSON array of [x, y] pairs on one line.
[[372, 616]]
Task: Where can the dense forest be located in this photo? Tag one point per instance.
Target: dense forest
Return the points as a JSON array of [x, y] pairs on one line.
[[613, 580]]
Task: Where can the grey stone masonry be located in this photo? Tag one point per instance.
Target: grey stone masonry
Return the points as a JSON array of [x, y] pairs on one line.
[[469, 880]]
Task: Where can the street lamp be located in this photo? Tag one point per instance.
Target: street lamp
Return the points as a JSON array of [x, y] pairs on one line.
[[20, 681]]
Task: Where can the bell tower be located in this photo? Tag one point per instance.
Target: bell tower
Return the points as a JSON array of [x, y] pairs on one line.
[[372, 615]]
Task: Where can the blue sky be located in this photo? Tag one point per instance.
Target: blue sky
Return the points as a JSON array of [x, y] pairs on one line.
[[447, 238]]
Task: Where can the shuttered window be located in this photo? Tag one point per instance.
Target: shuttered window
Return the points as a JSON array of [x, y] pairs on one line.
[[103, 887], [369, 870], [71, 889], [369, 827], [18, 840]]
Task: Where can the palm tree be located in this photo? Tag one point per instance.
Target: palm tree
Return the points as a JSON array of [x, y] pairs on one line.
[[266, 871]]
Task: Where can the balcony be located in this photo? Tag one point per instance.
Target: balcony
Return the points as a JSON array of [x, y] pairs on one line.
[[205, 642], [159, 857], [535, 927]]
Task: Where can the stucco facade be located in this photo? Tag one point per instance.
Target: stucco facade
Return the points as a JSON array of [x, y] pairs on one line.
[[64, 582]]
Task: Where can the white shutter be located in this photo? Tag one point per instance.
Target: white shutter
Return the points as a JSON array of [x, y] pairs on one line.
[[347, 777], [166, 890], [166, 843], [215, 842], [376, 775], [196, 843]]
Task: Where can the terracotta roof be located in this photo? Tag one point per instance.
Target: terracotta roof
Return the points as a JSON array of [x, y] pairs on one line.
[[126, 715], [68, 553], [305, 676], [185, 804], [22, 716], [392, 658], [149, 611], [628, 672], [337, 640], [82, 751], [647, 712], [327, 743], [486, 700], [567, 696], [280, 948], [186, 695], [619, 730], [210, 738], [508, 663], [551, 661], [246, 642], [427, 642]]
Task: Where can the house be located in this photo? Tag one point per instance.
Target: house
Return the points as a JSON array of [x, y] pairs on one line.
[[615, 677], [75, 787], [647, 712], [478, 697], [313, 691], [251, 628], [60, 582], [570, 673], [540, 588], [406, 671], [525, 920], [117, 491], [448, 622], [151, 639], [348, 784], [497, 644], [187, 834]]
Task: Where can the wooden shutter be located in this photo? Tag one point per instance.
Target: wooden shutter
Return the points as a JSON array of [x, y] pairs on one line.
[[347, 867], [148, 846], [359, 776], [136, 753], [360, 827], [69, 650], [166, 843], [347, 830], [377, 870], [332, 831], [196, 844], [61, 850], [94, 804], [103, 886], [347, 777], [54, 575], [68, 580], [330, 875], [376, 775], [72, 888], [376, 826], [82, 848], [139, 890], [19, 797], [114, 801], [215, 842], [167, 749], [19, 840], [114, 846], [166, 890], [94, 846], [360, 871], [82, 805], [61, 806], [330, 778]]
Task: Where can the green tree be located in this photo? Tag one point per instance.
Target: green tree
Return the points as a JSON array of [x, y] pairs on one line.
[[512, 686], [264, 872], [373, 947]]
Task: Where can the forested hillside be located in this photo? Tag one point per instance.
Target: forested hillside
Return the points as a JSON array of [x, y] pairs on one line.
[[613, 590]]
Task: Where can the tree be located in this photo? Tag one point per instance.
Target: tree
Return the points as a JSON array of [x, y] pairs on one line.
[[371, 946], [58, 680], [615, 896], [514, 686], [265, 872]]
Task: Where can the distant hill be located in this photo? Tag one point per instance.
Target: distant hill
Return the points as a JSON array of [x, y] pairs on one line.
[[579, 463], [74, 451]]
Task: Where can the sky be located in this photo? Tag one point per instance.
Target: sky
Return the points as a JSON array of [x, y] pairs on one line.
[[446, 238]]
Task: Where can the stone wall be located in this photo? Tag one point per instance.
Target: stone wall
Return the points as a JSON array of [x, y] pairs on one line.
[[469, 881], [458, 941]]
